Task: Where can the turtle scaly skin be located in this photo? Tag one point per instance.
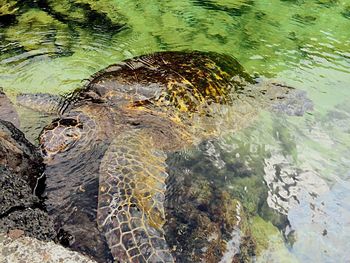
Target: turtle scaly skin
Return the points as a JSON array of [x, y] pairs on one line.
[[131, 211], [115, 132]]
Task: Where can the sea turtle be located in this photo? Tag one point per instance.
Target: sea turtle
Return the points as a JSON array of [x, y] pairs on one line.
[[119, 127]]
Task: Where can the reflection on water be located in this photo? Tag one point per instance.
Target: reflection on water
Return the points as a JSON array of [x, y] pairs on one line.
[[323, 226], [289, 185], [290, 174]]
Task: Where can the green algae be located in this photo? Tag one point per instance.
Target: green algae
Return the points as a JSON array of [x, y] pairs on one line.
[[346, 12], [36, 30], [203, 218], [107, 7], [65, 10], [99, 15], [270, 246], [7, 7]]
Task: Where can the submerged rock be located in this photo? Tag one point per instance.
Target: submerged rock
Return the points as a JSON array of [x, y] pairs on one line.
[[90, 14], [29, 33], [204, 222], [37, 30], [7, 7], [270, 243]]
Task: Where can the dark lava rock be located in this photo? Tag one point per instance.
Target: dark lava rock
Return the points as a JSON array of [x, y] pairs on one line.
[[15, 192], [19, 156], [20, 209], [20, 170]]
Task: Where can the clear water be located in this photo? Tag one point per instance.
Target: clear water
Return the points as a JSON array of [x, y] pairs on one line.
[[301, 163]]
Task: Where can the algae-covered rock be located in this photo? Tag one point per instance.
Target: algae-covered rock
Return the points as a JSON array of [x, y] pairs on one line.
[[51, 28], [346, 12], [7, 7], [234, 8], [36, 30], [240, 171], [91, 14], [327, 3], [204, 222], [106, 7], [270, 245]]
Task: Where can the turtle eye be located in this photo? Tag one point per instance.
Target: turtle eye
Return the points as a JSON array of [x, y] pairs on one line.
[[69, 122]]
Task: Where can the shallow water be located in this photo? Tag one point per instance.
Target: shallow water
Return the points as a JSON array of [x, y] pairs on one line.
[[291, 167]]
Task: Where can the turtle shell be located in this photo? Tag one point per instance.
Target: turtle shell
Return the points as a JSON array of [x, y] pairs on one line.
[[186, 81]]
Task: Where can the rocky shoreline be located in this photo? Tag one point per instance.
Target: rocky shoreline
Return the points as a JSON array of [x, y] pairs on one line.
[[26, 231], [15, 249], [21, 171]]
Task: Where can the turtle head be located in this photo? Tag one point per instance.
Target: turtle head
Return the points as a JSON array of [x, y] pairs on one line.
[[68, 137], [60, 136]]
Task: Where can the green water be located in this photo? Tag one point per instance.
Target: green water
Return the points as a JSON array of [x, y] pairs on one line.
[[52, 46]]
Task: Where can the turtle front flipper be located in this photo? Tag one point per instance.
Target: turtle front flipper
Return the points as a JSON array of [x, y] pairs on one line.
[[131, 198], [281, 98], [41, 102]]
